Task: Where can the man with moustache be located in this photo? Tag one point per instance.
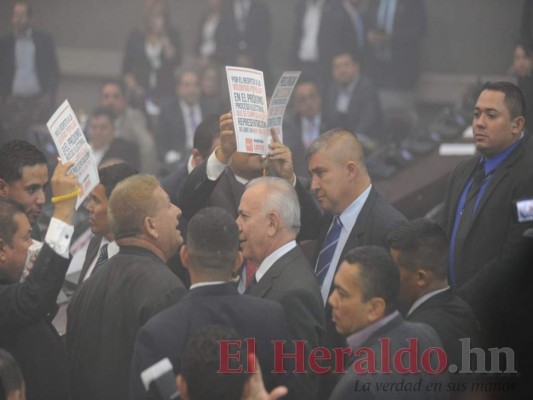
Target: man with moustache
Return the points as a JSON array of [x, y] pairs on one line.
[[110, 307]]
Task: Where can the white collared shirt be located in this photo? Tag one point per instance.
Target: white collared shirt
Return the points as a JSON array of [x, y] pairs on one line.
[[189, 127], [272, 258], [424, 298], [348, 218], [202, 284], [308, 50]]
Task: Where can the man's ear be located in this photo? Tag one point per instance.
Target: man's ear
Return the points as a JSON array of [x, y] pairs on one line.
[[518, 125], [182, 387], [3, 188], [352, 168], [150, 228], [3, 246], [376, 309], [274, 223], [184, 256], [422, 277]]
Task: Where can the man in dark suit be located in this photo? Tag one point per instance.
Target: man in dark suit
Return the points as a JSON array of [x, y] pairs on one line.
[[355, 213], [352, 101], [25, 328], [305, 125], [180, 118], [396, 31], [23, 177], [29, 73], [210, 255], [364, 312], [269, 219], [243, 34], [107, 311], [479, 211], [98, 220], [420, 250], [107, 149]]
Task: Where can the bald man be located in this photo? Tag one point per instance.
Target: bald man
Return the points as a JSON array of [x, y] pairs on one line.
[[355, 214]]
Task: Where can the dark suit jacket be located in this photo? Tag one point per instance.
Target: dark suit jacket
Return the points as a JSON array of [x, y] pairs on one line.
[[105, 315], [452, 318], [253, 41], [290, 281], [122, 150], [46, 64], [398, 332], [167, 334], [364, 110], [92, 253], [409, 29], [226, 192], [173, 182], [494, 229], [171, 129], [33, 299], [26, 332]]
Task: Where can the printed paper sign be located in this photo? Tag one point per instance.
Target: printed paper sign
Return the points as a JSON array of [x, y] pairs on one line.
[[280, 99], [72, 146]]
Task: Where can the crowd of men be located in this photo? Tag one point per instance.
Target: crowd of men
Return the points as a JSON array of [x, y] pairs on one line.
[[254, 281]]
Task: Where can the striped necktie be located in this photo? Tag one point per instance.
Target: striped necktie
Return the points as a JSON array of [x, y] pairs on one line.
[[328, 250], [102, 258]]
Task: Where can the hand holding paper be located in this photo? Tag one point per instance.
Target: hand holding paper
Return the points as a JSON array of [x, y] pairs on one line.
[[228, 144], [64, 183], [280, 158]]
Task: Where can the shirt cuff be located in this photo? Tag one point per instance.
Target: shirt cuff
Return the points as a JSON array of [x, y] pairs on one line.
[[214, 167], [58, 237]]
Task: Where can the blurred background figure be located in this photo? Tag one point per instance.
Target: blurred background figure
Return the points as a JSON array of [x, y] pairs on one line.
[[243, 35], [152, 53], [521, 68], [206, 44], [108, 149], [11, 380], [214, 88], [29, 74]]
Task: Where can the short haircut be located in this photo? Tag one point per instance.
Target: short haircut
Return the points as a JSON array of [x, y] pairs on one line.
[[104, 111], [110, 176], [514, 99], [280, 197], [8, 225], [201, 362], [379, 275], [353, 56], [207, 131], [10, 375], [116, 82], [15, 155], [212, 240], [132, 200], [345, 143], [185, 70], [421, 243]]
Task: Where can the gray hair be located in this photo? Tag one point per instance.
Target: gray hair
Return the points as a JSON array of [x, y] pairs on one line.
[[281, 198], [345, 144]]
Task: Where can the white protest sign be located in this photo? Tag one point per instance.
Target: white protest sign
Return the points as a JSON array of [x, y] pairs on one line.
[[280, 99], [72, 146], [248, 108]]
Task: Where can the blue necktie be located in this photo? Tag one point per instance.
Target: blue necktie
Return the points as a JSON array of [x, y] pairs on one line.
[[102, 258], [328, 249]]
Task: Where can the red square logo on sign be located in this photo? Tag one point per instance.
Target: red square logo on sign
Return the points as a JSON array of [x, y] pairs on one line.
[[249, 145]]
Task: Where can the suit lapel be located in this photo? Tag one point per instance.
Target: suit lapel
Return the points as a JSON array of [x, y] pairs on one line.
[[92, 252], [463, 176], [499, 176], [261, 288]]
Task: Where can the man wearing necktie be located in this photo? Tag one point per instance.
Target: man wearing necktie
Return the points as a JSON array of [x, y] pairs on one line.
[[479, 213], [355, 214]]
